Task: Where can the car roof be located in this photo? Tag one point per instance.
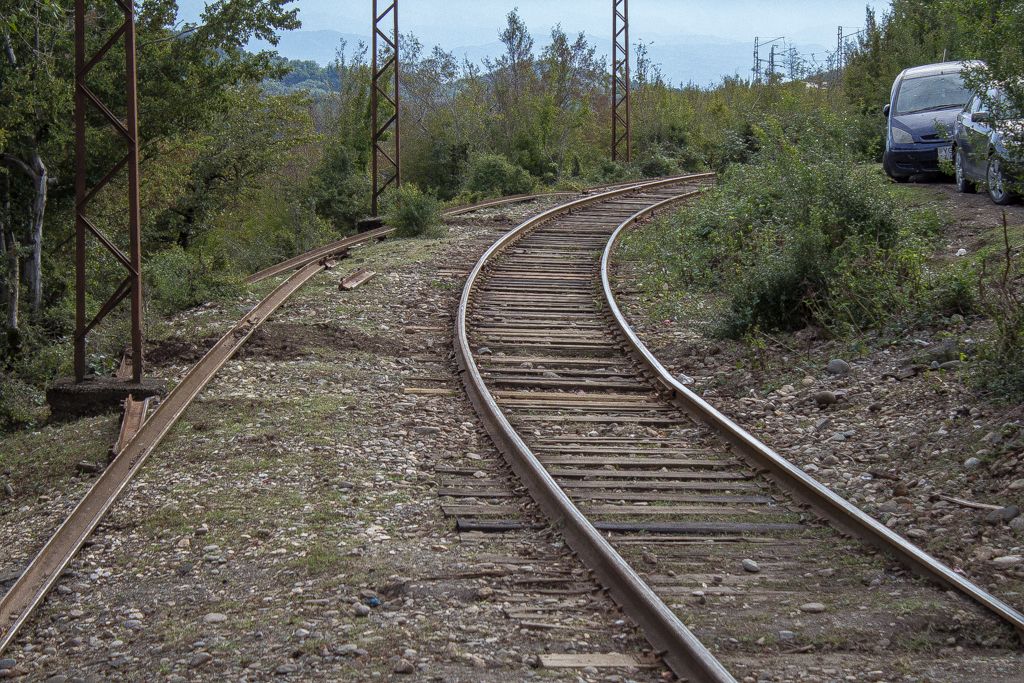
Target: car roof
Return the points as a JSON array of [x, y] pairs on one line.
[[933, 69]]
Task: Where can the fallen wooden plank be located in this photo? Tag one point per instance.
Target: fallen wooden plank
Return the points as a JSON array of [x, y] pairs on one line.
[[456, 510], [355, 279], [969, 503], [597, 660], [134, 415], [124, 368], [430, 391]]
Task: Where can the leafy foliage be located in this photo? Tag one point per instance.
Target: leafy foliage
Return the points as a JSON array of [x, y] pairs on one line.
[[494, 174], [1001, 366], [180, 279], [339, 189], [801, 235], [412, 212]]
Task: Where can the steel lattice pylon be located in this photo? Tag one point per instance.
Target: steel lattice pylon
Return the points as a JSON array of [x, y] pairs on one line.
[[390, 174], [128, 129], [621, 135]]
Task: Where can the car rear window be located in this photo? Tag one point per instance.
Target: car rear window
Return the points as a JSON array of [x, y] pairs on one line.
[[941, 91]]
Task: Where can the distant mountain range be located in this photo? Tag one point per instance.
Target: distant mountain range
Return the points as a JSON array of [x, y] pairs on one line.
[[702, 60]]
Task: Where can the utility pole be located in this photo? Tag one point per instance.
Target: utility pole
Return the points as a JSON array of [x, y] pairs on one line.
[[757, 60], [839, 49], [126, 129], [386, 158], [760, 74], [622, 139]]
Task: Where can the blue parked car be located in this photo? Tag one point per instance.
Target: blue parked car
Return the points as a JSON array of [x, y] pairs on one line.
[[988, 147], [922, 109]]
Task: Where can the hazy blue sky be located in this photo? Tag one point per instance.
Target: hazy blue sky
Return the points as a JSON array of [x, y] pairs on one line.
[[455, 23]]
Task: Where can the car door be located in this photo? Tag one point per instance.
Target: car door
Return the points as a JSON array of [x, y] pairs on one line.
[[963, 120], [977, 137], [967, 137]]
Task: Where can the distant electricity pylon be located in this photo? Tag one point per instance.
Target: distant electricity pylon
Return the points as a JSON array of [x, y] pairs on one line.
[[622, 138], [386, 158], [842, 44], [760, 74], [785, 61]]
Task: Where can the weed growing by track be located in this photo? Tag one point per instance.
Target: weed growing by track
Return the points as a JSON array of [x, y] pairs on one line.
[[414, 213]]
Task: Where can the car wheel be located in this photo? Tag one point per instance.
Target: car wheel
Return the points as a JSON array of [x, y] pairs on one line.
[[962, 183], [997, 189], [900, 178]]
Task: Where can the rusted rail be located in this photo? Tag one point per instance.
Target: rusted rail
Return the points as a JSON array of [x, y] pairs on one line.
[[837, 510], [682, 651], [332, 249], [42, 572]]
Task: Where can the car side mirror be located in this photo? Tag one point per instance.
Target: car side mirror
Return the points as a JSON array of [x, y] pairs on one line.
[[886, 109], [982, 117]]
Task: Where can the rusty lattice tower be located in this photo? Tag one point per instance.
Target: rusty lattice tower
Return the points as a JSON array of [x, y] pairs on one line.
[[128, 130], [621, 135], [384, 99]]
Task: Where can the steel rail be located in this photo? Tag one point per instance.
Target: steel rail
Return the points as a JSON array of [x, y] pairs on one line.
[[43, 571], [345, 243], [676, 644], [326, 251], [827, 503]]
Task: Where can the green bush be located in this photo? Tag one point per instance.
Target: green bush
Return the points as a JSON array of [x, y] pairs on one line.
[[802, 234], [1000, 367], [611, 171], [954, 289], [658, 166], [494, 174], [179, 279], [412, 212], [19, 403], [338, 189], [1000, 362]]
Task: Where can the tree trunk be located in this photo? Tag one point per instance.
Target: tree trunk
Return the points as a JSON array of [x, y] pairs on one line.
[[9, 256], [34, 270], [5, 213]]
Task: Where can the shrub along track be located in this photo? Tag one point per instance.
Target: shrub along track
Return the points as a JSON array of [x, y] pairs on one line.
[[705, 525]]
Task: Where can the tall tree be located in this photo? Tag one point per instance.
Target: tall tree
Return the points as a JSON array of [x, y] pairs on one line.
[[185, 77]]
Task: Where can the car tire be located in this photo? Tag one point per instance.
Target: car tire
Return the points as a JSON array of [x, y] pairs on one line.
[[888, 171], [962, 183], [997, 190]]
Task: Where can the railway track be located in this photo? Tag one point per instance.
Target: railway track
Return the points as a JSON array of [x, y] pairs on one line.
[[732, 561]]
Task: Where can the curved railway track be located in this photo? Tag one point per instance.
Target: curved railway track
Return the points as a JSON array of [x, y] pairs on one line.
[[727, 556]]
